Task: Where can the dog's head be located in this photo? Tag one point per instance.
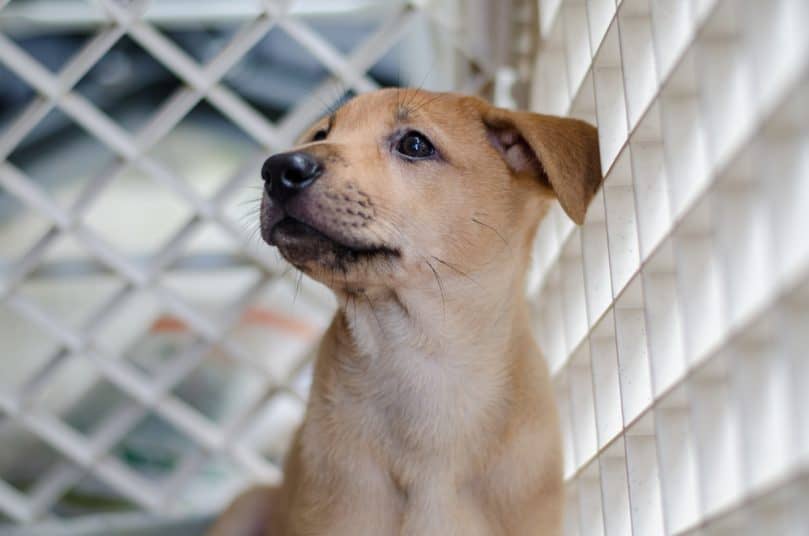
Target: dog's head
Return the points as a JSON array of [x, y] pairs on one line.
[[400, 183]]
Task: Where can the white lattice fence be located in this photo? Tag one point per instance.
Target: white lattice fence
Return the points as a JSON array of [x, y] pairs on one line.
[[152, 393], [675, 320]]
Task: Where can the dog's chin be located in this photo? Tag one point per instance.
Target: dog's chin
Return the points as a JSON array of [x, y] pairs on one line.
[[311, 250]]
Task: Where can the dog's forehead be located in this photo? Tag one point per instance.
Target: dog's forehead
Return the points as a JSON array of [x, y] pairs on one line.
[[394, 105]]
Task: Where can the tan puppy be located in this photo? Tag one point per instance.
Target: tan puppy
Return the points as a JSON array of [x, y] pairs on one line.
[[431, 410]]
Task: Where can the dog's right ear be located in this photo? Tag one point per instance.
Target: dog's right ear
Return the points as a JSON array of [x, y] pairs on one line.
[[561, 153]]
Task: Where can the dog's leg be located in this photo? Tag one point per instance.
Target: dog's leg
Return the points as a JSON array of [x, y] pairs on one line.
[[253, 513]]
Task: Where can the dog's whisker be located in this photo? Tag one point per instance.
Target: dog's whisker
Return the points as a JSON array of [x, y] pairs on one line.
[[248, 220], [440, 287], [493, 229], [251, 241], [456, 270], [392, 217], [246, 201], [255, 235], [251, 211], [373, 310], [328, 104], [421, 84], [427, 102], [297, 286], [286, 271]]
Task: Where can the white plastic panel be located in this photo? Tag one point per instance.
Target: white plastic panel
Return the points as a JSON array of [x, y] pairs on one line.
[[695, 266]]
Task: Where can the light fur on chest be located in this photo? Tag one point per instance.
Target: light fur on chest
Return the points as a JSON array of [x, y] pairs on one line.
[[411, 426], [415, 397]]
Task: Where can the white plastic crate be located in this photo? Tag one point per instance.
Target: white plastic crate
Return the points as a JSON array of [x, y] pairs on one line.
[[681, 371]]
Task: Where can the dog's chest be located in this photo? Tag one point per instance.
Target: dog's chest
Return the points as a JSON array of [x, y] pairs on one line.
[[425, 403], [414, 427], [424, 424]]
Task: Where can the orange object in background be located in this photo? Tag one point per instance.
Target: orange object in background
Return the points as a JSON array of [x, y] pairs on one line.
[[253, 316]]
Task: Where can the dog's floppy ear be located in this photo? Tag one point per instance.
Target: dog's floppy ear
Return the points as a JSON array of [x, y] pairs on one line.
[[561, 152]]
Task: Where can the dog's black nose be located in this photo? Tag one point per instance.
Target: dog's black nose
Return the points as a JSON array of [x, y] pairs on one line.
[[286, 174]]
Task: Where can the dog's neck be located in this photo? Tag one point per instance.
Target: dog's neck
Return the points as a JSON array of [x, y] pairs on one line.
[[459, 317], [427, 343], [446, 362]]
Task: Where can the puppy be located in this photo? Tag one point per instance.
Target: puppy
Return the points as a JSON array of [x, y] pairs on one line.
[[431, 410]]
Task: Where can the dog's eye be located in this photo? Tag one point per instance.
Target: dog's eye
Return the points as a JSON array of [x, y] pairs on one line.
[[320, 135], [415, 145]]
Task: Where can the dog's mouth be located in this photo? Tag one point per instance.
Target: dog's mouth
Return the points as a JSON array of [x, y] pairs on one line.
[[301, 243]]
